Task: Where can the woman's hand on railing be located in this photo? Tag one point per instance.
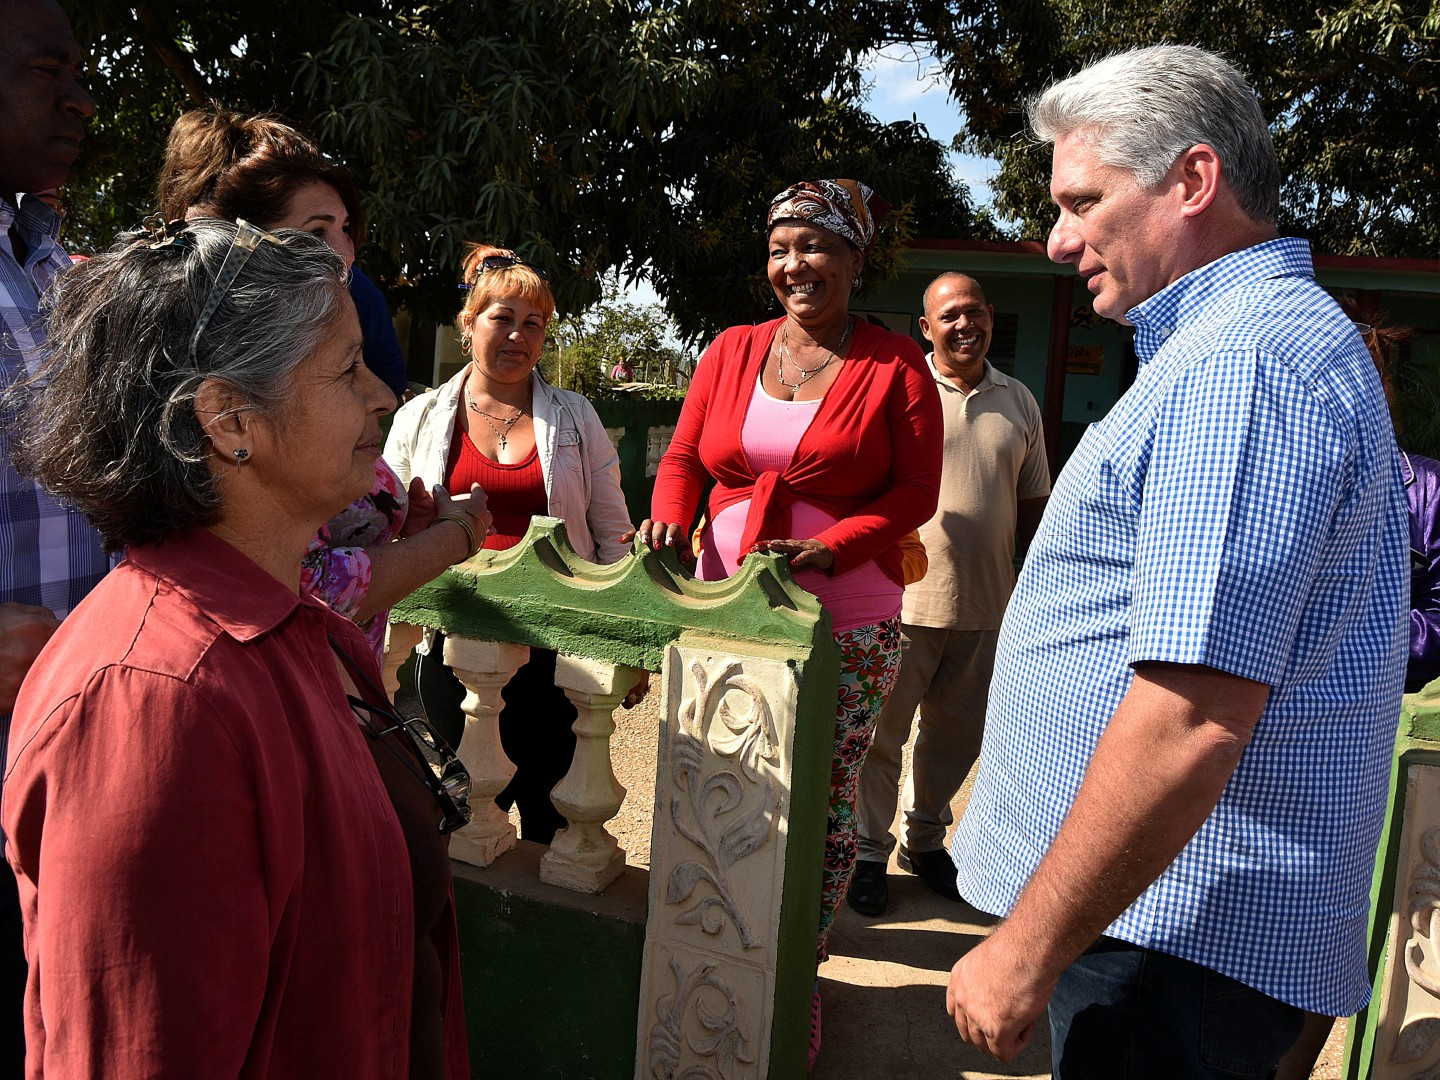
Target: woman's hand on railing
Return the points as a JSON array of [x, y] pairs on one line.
[[658, 534], [803, 554]]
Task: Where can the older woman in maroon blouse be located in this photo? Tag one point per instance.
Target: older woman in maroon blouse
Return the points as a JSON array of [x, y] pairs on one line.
[[229, 863]]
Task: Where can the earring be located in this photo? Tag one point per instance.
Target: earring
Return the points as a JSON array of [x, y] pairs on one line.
[[858, 283], [241, 454]]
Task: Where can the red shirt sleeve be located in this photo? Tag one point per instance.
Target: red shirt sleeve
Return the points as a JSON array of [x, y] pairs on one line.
[[917, 438], [682, 475], [137, 810]]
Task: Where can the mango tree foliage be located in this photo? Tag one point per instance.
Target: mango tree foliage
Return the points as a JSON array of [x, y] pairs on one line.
[[1353, 93], [594, 136]]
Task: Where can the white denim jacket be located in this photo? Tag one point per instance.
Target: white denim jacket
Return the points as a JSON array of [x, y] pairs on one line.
[[579, 463]]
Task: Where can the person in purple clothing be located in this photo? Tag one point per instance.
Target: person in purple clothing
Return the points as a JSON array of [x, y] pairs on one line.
[[1422, 492]]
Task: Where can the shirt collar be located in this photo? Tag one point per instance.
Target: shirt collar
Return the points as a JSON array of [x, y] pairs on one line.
[[990, 379], [223, 583], [1407, 470], [1160, 316], [37, 223]]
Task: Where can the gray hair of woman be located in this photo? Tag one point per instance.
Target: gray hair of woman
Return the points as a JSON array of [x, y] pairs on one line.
[[107, 421], [1144, 108]]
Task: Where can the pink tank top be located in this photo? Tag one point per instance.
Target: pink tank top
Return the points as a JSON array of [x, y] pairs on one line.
[[773, 429]]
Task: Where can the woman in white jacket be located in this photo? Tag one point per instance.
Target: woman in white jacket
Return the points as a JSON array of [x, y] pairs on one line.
[[535, 449]]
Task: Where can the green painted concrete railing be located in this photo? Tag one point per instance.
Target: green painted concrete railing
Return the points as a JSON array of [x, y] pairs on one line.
[[541, 593], [726, 963]]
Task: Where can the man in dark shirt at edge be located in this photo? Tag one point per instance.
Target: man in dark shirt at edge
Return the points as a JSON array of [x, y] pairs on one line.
[[50, 557]]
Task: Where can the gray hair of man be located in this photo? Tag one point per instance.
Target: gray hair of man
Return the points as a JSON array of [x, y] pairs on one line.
[[1144, 108], [107, 421]]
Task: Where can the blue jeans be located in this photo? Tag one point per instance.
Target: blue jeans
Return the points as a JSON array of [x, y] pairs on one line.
[[1121, 1012]]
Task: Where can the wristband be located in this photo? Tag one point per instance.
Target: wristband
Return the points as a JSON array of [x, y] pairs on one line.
[[463, 520]]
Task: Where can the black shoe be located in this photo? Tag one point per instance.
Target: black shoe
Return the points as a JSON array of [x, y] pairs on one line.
[[934, 868], [869, 891]]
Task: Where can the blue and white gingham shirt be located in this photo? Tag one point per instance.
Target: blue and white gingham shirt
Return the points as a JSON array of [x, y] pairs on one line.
[[49, 555], [1241, 508]]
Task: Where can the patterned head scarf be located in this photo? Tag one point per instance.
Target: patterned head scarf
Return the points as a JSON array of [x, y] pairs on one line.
[[841, 206]]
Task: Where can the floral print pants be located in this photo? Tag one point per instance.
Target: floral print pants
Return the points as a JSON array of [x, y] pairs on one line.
[[869, 662]]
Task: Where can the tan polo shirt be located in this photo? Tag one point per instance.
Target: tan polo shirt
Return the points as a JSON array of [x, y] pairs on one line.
[[994, 457]]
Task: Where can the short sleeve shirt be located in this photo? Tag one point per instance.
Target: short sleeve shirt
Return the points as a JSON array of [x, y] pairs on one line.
[[994, 457], [1240, 508]]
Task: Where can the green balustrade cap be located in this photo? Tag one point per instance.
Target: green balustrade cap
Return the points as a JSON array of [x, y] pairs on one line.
[[542, 593]]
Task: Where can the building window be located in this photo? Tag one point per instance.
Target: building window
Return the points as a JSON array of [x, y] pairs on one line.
[[1002, 342]]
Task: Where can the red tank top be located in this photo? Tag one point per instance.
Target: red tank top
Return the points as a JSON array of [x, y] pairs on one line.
[[515, 493]]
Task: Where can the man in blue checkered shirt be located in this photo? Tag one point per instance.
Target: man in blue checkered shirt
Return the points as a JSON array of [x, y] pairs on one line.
[[1185, 761], [50, 557]]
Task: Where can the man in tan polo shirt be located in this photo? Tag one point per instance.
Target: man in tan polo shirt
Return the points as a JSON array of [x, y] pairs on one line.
[[992, 493]]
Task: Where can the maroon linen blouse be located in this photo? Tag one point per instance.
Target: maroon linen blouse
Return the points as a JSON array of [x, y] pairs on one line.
[[212, 877]]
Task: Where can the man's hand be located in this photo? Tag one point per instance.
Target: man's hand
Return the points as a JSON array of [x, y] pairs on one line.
[[996, 993], [24, 629]]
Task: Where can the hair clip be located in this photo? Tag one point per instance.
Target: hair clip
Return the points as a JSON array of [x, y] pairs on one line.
[[159, 233], [505, 262]]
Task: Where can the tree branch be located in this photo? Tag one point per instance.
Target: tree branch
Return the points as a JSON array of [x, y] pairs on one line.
[[162, 44]]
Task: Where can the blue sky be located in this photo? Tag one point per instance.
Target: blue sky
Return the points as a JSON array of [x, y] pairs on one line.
[[905, 82]]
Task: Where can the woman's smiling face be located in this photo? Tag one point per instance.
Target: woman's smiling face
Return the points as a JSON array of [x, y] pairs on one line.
[[811, 271], [506, 337]]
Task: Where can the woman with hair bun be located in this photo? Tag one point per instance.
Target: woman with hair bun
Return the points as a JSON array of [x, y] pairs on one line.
[[224, 164], [535, 449]]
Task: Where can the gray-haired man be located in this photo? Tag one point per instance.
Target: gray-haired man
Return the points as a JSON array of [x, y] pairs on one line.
[[1188, 740]]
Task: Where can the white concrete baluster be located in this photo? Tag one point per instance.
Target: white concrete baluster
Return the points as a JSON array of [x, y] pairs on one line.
[[484, 667], [584, 856], [400, 639]]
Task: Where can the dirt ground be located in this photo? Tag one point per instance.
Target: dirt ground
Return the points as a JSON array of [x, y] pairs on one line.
[[883, 988]]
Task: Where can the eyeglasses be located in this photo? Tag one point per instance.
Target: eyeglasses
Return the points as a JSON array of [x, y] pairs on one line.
[[247, 239], [504, 262], [443, 774], [441, 771]]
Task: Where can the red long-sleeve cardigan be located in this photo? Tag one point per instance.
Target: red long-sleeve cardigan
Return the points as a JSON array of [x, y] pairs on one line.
[[871, 456]]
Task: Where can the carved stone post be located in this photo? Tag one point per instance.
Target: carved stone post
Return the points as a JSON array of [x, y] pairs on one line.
[[584, 856], [484, 667], [400, 640], [1397, 1037]]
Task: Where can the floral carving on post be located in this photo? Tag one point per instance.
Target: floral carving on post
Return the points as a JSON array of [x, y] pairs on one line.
[[1421, 960], [728, 814], [715, 1007], [1417, 1038]]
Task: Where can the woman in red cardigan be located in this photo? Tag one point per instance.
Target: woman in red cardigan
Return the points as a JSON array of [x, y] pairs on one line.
[[822, 433]]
